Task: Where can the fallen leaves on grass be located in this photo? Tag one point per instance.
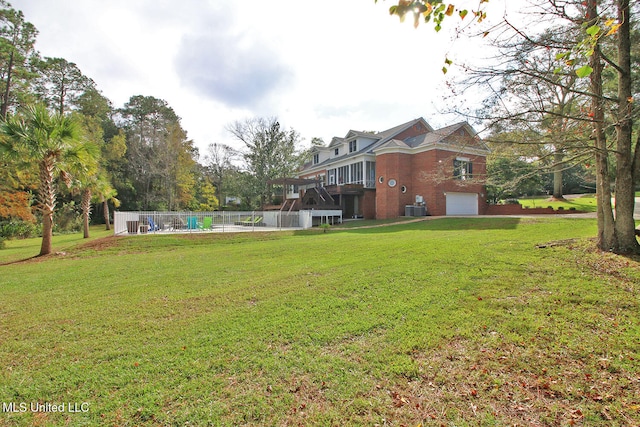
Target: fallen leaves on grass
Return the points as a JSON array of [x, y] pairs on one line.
[[511, 384]]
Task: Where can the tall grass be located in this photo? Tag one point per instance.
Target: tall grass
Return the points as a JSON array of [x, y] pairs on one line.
[[443, 322]]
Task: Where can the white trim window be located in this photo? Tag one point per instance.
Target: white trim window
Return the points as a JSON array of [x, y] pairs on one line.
[[356, 173], [462, 168], [343, 175], [370, 171], [353, 146], [331, 175]]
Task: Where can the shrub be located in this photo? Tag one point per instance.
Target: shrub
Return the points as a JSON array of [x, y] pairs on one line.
[[18, 229], [67, 219], [325, 227]]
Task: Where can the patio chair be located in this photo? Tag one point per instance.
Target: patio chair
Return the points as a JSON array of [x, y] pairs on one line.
[[192, 222], [152, 225], [207, 223], [253, 221], [243, 221], [177, 224]]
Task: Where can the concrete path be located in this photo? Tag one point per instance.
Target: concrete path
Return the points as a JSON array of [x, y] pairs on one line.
[[636, 211]]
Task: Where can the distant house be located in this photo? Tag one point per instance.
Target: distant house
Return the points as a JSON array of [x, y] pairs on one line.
[[402, 170]]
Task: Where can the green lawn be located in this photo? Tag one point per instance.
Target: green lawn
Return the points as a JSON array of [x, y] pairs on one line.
[[586, 203], [454, 322]]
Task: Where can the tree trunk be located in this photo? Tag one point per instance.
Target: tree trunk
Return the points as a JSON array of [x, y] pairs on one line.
[[47, 199], [86, 210], [625, 196], [558, 157], [606, 239], [7, 91], [105, 208], [47, 233]]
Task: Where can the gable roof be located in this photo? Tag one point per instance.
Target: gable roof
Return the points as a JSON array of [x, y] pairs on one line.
[[447, 135], [390, 133], [387, 140]]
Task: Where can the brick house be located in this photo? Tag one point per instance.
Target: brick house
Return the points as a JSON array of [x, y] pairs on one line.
[[378, 174]]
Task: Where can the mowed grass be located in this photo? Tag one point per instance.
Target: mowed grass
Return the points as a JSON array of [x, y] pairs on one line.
[[467, 321], [586, 203]]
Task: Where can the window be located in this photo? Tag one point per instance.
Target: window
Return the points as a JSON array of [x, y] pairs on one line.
[[332, 177], [370, 171], [316, 159], [336, 151], [462, 168], [353, 146], [343, 175], [356, 173]]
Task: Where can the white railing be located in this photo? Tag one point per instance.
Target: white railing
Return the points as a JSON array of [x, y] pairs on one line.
[[142, 222]]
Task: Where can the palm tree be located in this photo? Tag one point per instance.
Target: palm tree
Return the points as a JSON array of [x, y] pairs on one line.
[[84, 181], [50, 141], [106, 193], [93, 185]]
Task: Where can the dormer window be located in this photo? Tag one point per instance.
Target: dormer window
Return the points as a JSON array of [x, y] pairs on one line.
[[336, 151], [353, 146], [316, 159]]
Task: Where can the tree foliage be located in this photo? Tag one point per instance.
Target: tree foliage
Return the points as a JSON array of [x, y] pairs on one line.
[[17, 40], [61, 84], [270, 152], [538, 84], [220, 166], [141, 153], [160, 160], [52, 142]]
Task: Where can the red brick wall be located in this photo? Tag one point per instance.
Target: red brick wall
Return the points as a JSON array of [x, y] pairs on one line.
[[390, 201], [428, 174], [519, 210], [474, 185], [369, 204], [415, 130]]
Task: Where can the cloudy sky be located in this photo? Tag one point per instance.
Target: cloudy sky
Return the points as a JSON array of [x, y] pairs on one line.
[[321, 66]]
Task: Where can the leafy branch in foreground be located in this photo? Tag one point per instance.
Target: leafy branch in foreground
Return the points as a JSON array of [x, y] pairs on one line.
[[436, 10]]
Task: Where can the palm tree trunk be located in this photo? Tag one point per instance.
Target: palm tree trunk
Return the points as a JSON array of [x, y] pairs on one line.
[[47, 199], [86, 210], [105, 209]]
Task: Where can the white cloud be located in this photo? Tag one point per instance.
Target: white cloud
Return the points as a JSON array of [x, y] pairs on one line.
[[322, 66]]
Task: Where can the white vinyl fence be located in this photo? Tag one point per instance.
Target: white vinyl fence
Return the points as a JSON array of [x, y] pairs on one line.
[[143, 222]]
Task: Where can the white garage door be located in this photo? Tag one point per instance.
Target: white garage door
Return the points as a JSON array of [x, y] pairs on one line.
[[462, 204]]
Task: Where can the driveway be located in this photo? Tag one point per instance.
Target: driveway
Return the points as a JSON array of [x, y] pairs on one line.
[[636, 210]]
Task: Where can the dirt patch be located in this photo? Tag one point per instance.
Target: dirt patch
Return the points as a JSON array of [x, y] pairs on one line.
[[99, 244]]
